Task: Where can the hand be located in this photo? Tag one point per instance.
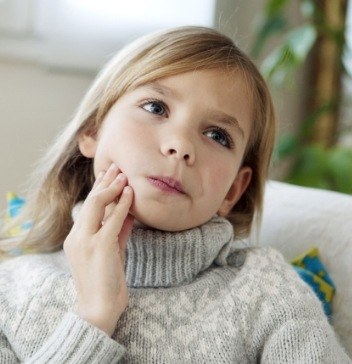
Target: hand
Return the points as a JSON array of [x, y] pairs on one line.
[[95, 249]]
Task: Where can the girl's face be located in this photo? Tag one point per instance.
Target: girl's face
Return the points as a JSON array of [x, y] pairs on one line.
[[180, 142]]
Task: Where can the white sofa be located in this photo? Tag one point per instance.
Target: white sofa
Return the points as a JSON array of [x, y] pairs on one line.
[[298, 218]]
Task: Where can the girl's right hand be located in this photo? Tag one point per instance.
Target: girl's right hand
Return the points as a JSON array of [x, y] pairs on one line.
[[95, 249]]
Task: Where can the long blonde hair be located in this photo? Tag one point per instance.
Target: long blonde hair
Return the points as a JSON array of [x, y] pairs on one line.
[[64, 176]]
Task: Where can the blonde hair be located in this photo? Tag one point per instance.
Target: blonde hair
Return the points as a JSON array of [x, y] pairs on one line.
[[65, 176]]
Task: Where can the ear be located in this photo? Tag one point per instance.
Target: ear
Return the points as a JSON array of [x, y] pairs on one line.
[[87, 145], [237, 189]]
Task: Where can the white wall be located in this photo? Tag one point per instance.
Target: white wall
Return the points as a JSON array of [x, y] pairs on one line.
[[34, 104]]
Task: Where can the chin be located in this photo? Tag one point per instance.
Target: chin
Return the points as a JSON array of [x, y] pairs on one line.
[[157, 224], [155, 221], [166, 222], [160, 217]]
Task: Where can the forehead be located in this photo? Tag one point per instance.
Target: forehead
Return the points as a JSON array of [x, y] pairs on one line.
[[220, 85]]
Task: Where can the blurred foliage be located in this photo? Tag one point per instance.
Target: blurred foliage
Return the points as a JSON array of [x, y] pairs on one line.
[[314, 165]]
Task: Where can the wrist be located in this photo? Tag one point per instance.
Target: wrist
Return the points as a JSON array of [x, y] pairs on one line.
[[103, 320]]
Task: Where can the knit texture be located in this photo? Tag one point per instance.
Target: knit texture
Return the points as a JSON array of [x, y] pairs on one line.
[[194, 297]]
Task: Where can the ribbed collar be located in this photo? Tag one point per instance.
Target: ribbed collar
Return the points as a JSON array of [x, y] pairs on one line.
[[157, 258], [164, 259]]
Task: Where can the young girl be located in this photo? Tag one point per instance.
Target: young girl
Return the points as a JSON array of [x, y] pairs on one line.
[[132, 259]]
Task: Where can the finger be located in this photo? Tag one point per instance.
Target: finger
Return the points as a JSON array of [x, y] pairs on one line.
[[114, 222], [108, 177], [108, 210], [98, 179], [94, 207], [82, 215]]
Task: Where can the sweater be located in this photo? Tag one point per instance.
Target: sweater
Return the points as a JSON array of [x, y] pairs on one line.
[[195, 296]]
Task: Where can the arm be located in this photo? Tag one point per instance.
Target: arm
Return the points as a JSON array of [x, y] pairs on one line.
[[77, 341], [73, 341], [95, 252], [304, 341]]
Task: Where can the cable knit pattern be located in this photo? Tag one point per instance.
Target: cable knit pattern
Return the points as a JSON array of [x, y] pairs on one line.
[[195, 297]]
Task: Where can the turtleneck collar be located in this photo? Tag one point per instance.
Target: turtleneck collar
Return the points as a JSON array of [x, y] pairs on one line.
[[156, 258]]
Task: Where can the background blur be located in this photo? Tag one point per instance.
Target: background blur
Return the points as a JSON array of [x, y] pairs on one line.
[[50, 52]]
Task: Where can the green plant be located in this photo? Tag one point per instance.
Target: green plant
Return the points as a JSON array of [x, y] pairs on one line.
[[314, 164], [295, 42]]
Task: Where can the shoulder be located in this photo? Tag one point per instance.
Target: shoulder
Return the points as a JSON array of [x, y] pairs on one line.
[[263, 257], [39, 261], [261, 263], [265, 264], [265, 261], [273, 293], [268, 275], [268, 288], [23, 273]]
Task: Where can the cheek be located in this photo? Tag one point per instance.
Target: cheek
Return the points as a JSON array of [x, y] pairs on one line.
[[126, 150], [106, 154], [220, 180]]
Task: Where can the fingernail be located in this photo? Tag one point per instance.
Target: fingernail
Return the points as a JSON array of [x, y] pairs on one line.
[[127, 190], [121, 177], [112, 166]]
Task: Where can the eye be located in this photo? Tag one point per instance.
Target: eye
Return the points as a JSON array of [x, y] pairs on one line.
[[220, 136], [155, 107]]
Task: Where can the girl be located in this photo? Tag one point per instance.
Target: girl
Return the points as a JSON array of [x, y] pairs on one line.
[[175, 135]]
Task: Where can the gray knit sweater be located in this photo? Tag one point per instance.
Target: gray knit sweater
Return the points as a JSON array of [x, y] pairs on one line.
[[195, 297]]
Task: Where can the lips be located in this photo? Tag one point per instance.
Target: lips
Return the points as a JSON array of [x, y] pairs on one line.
[[167, 184]]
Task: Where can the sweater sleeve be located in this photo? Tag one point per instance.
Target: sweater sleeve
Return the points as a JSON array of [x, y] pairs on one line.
[[77, 341], [36, 321], [308, 341], [73, 341]]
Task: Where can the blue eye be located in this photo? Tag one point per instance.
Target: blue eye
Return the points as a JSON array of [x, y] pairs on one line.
[[154, 107], [220, 136]]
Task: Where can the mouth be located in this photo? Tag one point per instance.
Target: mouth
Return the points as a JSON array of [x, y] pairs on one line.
[[167, 184]]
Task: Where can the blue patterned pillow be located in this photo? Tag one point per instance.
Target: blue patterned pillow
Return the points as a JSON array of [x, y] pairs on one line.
[[311, 269]]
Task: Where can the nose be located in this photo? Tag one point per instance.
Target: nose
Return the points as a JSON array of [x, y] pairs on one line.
[[179, 147]]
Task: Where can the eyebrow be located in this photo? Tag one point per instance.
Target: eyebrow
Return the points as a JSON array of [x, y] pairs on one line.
[[227, 120], [161, 89]]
